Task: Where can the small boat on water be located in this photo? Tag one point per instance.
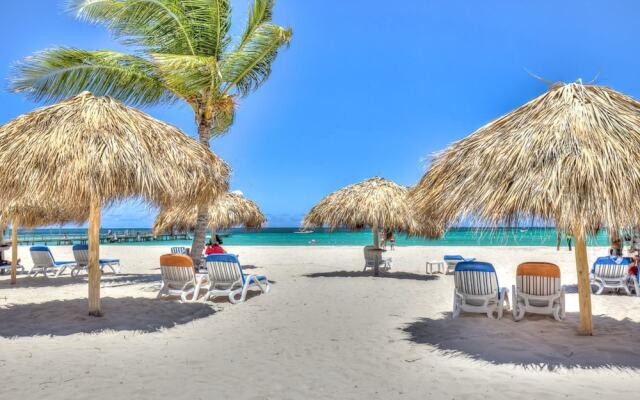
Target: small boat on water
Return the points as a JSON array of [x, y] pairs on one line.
[[304, 231]]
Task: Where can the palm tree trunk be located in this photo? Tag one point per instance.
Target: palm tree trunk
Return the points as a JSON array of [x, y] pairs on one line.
[[200, 233]]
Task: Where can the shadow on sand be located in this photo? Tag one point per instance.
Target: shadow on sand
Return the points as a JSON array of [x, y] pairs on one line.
[[108, 280], [537, 342], [369, 274], [66, 317]]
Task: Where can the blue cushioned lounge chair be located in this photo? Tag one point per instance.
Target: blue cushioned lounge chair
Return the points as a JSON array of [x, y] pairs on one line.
[[81, 254], [610, 272], [227, 278], [452, 260], [45, 264], [477, 290]]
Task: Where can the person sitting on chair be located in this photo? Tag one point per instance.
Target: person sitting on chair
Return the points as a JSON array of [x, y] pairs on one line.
[[214, 248]]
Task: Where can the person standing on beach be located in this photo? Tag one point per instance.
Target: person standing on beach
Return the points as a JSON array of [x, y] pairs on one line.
[[616, 246], [568, 237]]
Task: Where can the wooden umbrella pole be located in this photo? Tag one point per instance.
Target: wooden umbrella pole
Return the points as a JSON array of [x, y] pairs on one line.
[[376, 244], [584, 286], [376, 240], [14, 250], [94, 259]]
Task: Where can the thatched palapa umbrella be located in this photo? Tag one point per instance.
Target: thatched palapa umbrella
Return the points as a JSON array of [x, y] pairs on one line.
[[376, 203], [568, 156], [228, 210], [95, 151], [32, 213]]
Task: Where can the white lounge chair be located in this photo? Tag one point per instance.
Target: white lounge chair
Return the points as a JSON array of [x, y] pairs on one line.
[[226, 278], [610, 272], [45, 264], [179, 277], [373, 257], [81, 255], [477, 290], [538, 290], [180, 250], [6, 269], [453, 260]]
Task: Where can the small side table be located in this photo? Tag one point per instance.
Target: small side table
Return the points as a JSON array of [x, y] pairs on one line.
[[433, 267]]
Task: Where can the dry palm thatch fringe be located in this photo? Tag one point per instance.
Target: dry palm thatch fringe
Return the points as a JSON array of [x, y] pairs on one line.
[[90, 147], [569, 157], [376, 202], [229, 210], [33, 213]]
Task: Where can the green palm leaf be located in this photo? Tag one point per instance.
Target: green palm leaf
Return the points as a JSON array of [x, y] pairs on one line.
[[187, 75], [261, 11], [249, 65], [155, 25], [58, 73]]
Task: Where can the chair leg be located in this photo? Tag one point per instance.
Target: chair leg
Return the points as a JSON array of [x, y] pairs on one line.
[[162, 290], [456, 307], [60, 270], [599, 286], [232, 296]]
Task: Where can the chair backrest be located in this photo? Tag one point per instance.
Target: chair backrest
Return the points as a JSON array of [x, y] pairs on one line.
[[224, 269], [81, 254], [538, 278], [41, 256], [180, 250], [176, 269], [456, 258], [476, 278], [609, 267]]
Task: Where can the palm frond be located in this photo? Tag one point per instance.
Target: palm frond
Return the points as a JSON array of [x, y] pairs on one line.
[[260, 12], [246, 68], [58, 73], [212, 22], [187, 75], [157, 25]]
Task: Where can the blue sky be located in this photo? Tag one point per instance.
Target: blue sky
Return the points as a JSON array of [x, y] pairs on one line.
[[368, 88]]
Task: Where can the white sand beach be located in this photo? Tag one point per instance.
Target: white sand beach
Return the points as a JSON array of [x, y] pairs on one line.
[[326, 331]]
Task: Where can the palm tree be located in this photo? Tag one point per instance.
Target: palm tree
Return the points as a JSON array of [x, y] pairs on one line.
[[182, 50]]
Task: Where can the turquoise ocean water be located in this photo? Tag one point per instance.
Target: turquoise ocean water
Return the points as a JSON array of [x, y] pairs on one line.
[[322, 237]]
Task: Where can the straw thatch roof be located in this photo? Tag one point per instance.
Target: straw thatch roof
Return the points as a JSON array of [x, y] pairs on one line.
[[229, 210], [569, 156], [32, 213], [90, 147], [376, 203]]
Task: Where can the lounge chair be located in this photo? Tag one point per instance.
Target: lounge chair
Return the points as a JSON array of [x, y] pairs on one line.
[[44, 263], [81, 254], [227, 278], [453, 260], [179, 277], [373, 257], [477, 290], [610, 272], [538, 290], [6, 269], [180, 250]]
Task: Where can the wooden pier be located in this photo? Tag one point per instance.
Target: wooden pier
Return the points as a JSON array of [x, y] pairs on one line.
[[61, 239]]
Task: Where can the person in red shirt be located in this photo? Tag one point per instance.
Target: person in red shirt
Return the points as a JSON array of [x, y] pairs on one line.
[[633, 267], [213, 248]]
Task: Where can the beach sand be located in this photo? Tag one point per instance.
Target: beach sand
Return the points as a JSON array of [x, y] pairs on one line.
[[326, 331]]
